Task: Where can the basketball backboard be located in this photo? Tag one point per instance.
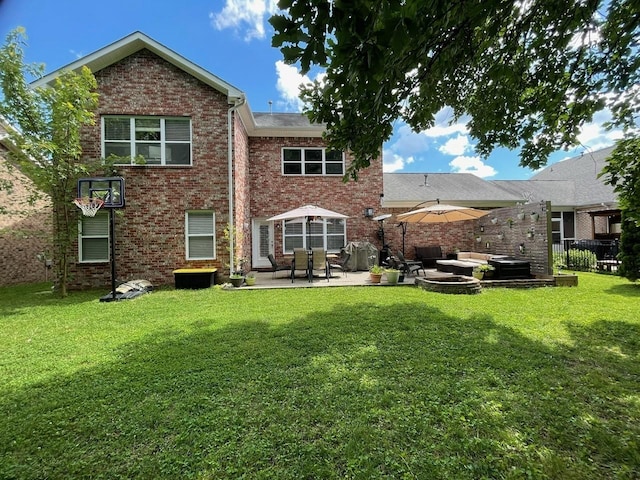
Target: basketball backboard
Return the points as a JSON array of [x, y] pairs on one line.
[[108, 189]]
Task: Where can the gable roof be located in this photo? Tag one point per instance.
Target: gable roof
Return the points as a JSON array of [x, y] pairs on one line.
[[133, 43], [583, 171], [566, 184]]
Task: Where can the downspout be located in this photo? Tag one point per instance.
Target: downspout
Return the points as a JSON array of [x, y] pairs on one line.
[[237, 104]]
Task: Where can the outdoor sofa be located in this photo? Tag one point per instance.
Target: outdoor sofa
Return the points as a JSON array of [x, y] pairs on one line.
[[428, 255]]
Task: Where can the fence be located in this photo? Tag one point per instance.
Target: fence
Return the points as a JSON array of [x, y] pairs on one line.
[[585, 255]]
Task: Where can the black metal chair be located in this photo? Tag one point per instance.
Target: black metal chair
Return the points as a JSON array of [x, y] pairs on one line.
[[277, 267], [409, 266], [340, 263]]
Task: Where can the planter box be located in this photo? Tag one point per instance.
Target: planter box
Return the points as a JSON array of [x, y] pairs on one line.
[[566, 280], [194, 278]]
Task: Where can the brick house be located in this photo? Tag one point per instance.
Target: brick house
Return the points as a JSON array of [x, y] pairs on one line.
[[25, 227], [209, 162]]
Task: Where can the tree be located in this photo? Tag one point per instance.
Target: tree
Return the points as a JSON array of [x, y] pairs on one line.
[[47, 125], [528, 73], [623, 172]]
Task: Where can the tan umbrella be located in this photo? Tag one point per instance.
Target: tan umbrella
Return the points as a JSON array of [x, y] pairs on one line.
[[440, 213]]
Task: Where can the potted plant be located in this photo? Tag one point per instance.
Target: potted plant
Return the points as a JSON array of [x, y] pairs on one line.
[[483, 270], [521, 214], [250, 279], [236, 279], [375, 273], [392, 274], [534, 216]]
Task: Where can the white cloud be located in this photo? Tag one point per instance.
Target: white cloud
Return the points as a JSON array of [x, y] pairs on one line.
[[288, 85], [455, 146], [396, 163], [443, 126], [246, 15], [473, 165]]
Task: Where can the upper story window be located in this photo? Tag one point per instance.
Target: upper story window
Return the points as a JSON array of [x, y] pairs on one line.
[[161, 141], [312, 161]]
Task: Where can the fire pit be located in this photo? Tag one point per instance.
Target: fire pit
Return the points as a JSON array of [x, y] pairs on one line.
[[454, 284]]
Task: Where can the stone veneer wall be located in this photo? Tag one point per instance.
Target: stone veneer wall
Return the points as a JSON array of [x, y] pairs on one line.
[[150, 230]]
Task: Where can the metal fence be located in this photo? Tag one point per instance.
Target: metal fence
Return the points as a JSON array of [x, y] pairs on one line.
[[585, 255]]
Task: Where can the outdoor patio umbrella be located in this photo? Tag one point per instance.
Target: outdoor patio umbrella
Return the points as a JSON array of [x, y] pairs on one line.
[[440, 213], [307, 214]]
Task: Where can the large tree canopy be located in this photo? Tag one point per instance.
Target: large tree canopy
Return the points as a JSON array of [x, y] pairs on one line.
[[528, 73]]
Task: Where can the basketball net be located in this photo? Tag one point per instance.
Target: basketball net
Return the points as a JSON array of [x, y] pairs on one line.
[[89, 206]]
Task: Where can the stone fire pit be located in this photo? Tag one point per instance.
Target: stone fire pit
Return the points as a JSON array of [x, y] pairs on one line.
[[454, 284]]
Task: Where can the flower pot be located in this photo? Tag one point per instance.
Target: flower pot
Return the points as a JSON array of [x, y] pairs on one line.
[[521, 216], [250, 281], [392, 277], [494, 220], [478, 275], [534, 217], [236, 281], [375, 277]]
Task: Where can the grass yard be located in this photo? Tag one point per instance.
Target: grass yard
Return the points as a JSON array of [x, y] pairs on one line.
[[322, 383]]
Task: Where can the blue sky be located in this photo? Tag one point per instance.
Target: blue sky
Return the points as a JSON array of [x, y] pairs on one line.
[[232, 39]]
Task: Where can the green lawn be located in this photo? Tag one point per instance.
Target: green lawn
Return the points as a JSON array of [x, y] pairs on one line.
[[363, 382]]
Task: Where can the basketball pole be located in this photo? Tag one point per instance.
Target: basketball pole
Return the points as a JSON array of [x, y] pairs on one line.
[[112, 227]]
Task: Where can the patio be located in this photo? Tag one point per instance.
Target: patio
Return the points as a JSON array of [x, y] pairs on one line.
[[352, 279]]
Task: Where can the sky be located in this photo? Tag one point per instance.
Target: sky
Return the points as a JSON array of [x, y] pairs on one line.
[[232, 39]]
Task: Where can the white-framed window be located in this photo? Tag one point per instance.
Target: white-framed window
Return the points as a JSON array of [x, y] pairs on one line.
[[200, 235], [93, 238], [328, 234], [312, 161], [161, 141]]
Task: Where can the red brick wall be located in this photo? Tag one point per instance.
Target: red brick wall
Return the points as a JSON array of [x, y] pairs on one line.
[[25, 230], [273, 193], [150, 231]]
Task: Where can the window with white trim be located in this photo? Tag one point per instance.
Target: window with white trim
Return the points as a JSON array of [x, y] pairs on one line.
[[93, 238], [328, 234], [161, 141], [312, 161], [200, 235]]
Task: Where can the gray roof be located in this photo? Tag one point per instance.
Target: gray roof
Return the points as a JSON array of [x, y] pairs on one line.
[[569, 183], [279, 120], [466, 189], [583, 171]]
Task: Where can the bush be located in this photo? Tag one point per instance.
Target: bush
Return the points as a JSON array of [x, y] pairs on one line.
[[575, 259]]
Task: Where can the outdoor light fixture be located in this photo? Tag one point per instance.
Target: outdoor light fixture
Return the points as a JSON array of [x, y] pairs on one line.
[[368, 212]]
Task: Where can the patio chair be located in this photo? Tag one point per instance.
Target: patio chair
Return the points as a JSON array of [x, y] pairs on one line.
[[319, 261], [277, 267], [409, 266], [340, 263], [300, 262]]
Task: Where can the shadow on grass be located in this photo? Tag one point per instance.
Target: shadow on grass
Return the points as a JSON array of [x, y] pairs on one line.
[[403, 392], [17, 297], [627, 290]]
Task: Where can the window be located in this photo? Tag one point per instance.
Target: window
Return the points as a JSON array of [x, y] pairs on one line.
[[329, 234], [312, 161], [200, 235], [161, 141], [93, 238]]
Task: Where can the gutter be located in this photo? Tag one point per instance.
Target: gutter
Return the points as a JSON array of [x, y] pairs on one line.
[[239, 101]]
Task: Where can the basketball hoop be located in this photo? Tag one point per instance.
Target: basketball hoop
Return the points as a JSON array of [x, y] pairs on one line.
[[89, 206]]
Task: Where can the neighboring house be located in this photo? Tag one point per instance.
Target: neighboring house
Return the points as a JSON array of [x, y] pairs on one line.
[[25, 228], [210, 162], [582, 205]]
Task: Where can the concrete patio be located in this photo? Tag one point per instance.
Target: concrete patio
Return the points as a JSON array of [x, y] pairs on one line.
[[351, 279]]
